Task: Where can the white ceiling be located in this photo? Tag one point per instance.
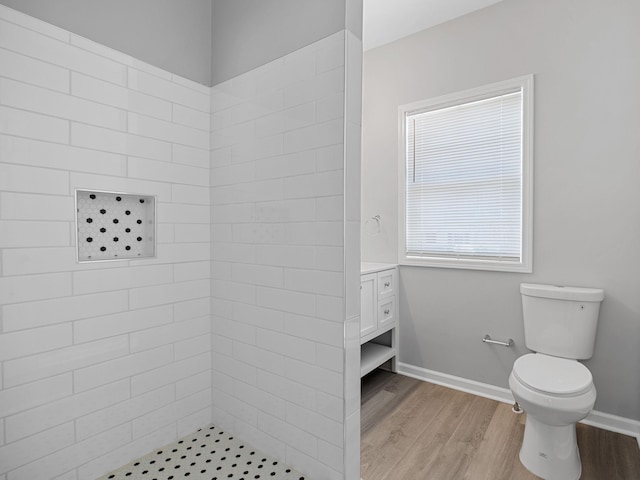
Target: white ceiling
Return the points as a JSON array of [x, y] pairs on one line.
[[388, 20]]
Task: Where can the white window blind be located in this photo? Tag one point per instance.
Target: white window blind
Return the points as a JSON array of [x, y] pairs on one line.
[[464, 180]]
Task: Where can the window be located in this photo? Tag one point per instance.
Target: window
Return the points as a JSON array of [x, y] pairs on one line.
[[465, 179]]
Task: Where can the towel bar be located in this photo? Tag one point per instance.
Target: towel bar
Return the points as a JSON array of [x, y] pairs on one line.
[[487, 339]]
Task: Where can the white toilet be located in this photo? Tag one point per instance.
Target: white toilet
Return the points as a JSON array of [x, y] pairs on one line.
[[551, 386]]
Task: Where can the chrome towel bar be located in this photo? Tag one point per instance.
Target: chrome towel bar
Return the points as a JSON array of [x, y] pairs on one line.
[[487, 339]]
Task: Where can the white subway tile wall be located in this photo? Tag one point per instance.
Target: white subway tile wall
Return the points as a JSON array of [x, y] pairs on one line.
[[240, 319], [278, 266], [351, 333], [99, 363]]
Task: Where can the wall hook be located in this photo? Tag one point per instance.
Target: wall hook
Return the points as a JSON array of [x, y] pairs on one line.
[[373, 226]]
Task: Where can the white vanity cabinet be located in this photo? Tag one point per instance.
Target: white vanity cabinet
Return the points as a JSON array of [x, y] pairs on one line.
[[378, 315]]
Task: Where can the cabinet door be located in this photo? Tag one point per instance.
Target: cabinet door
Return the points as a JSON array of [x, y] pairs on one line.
[[368, 307]]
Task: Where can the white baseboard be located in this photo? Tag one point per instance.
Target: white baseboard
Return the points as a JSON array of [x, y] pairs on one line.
[[598, 419], [613, 423], [457, 383]]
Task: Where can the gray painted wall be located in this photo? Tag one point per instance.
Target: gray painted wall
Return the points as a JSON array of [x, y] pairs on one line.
[[164, 33], [259, 31], [354, 16], [186, 39], [587, 172]]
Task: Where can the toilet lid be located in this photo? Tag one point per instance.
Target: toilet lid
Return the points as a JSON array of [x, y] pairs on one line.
[[558, 376]]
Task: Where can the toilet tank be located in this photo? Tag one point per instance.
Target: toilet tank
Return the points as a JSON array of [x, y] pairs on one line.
[[560, 321]]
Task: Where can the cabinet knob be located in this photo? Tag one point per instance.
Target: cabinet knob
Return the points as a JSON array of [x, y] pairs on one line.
[[386, 284], [386, 312]]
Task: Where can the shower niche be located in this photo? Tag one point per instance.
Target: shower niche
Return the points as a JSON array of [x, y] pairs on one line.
[[114, 226]]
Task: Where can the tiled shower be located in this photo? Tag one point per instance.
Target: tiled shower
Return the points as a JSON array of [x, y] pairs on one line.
[[245, 314]]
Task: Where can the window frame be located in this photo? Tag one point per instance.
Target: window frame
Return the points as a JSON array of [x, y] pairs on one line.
[[525, 265]]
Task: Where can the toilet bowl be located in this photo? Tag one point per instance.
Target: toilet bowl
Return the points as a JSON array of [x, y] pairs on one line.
[[555, 393]]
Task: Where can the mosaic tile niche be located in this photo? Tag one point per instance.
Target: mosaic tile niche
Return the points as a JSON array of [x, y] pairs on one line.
[[114, 226]]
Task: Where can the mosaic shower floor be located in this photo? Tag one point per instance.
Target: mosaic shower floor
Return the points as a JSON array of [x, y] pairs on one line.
[[208, 454]]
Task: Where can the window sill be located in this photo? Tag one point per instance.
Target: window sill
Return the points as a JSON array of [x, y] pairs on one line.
[[468, 264]]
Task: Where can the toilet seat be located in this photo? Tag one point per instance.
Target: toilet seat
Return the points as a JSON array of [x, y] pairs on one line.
[[552, 375]]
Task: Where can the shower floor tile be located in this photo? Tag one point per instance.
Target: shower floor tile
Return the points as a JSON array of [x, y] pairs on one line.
[[208, 454]]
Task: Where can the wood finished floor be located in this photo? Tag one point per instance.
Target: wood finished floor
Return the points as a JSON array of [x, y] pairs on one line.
[[413, 430]]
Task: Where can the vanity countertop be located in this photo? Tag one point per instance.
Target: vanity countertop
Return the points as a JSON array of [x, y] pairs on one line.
[[369, 267]]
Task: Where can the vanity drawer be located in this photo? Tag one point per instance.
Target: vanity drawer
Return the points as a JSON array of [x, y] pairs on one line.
[[387, 280], [387, 312]]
